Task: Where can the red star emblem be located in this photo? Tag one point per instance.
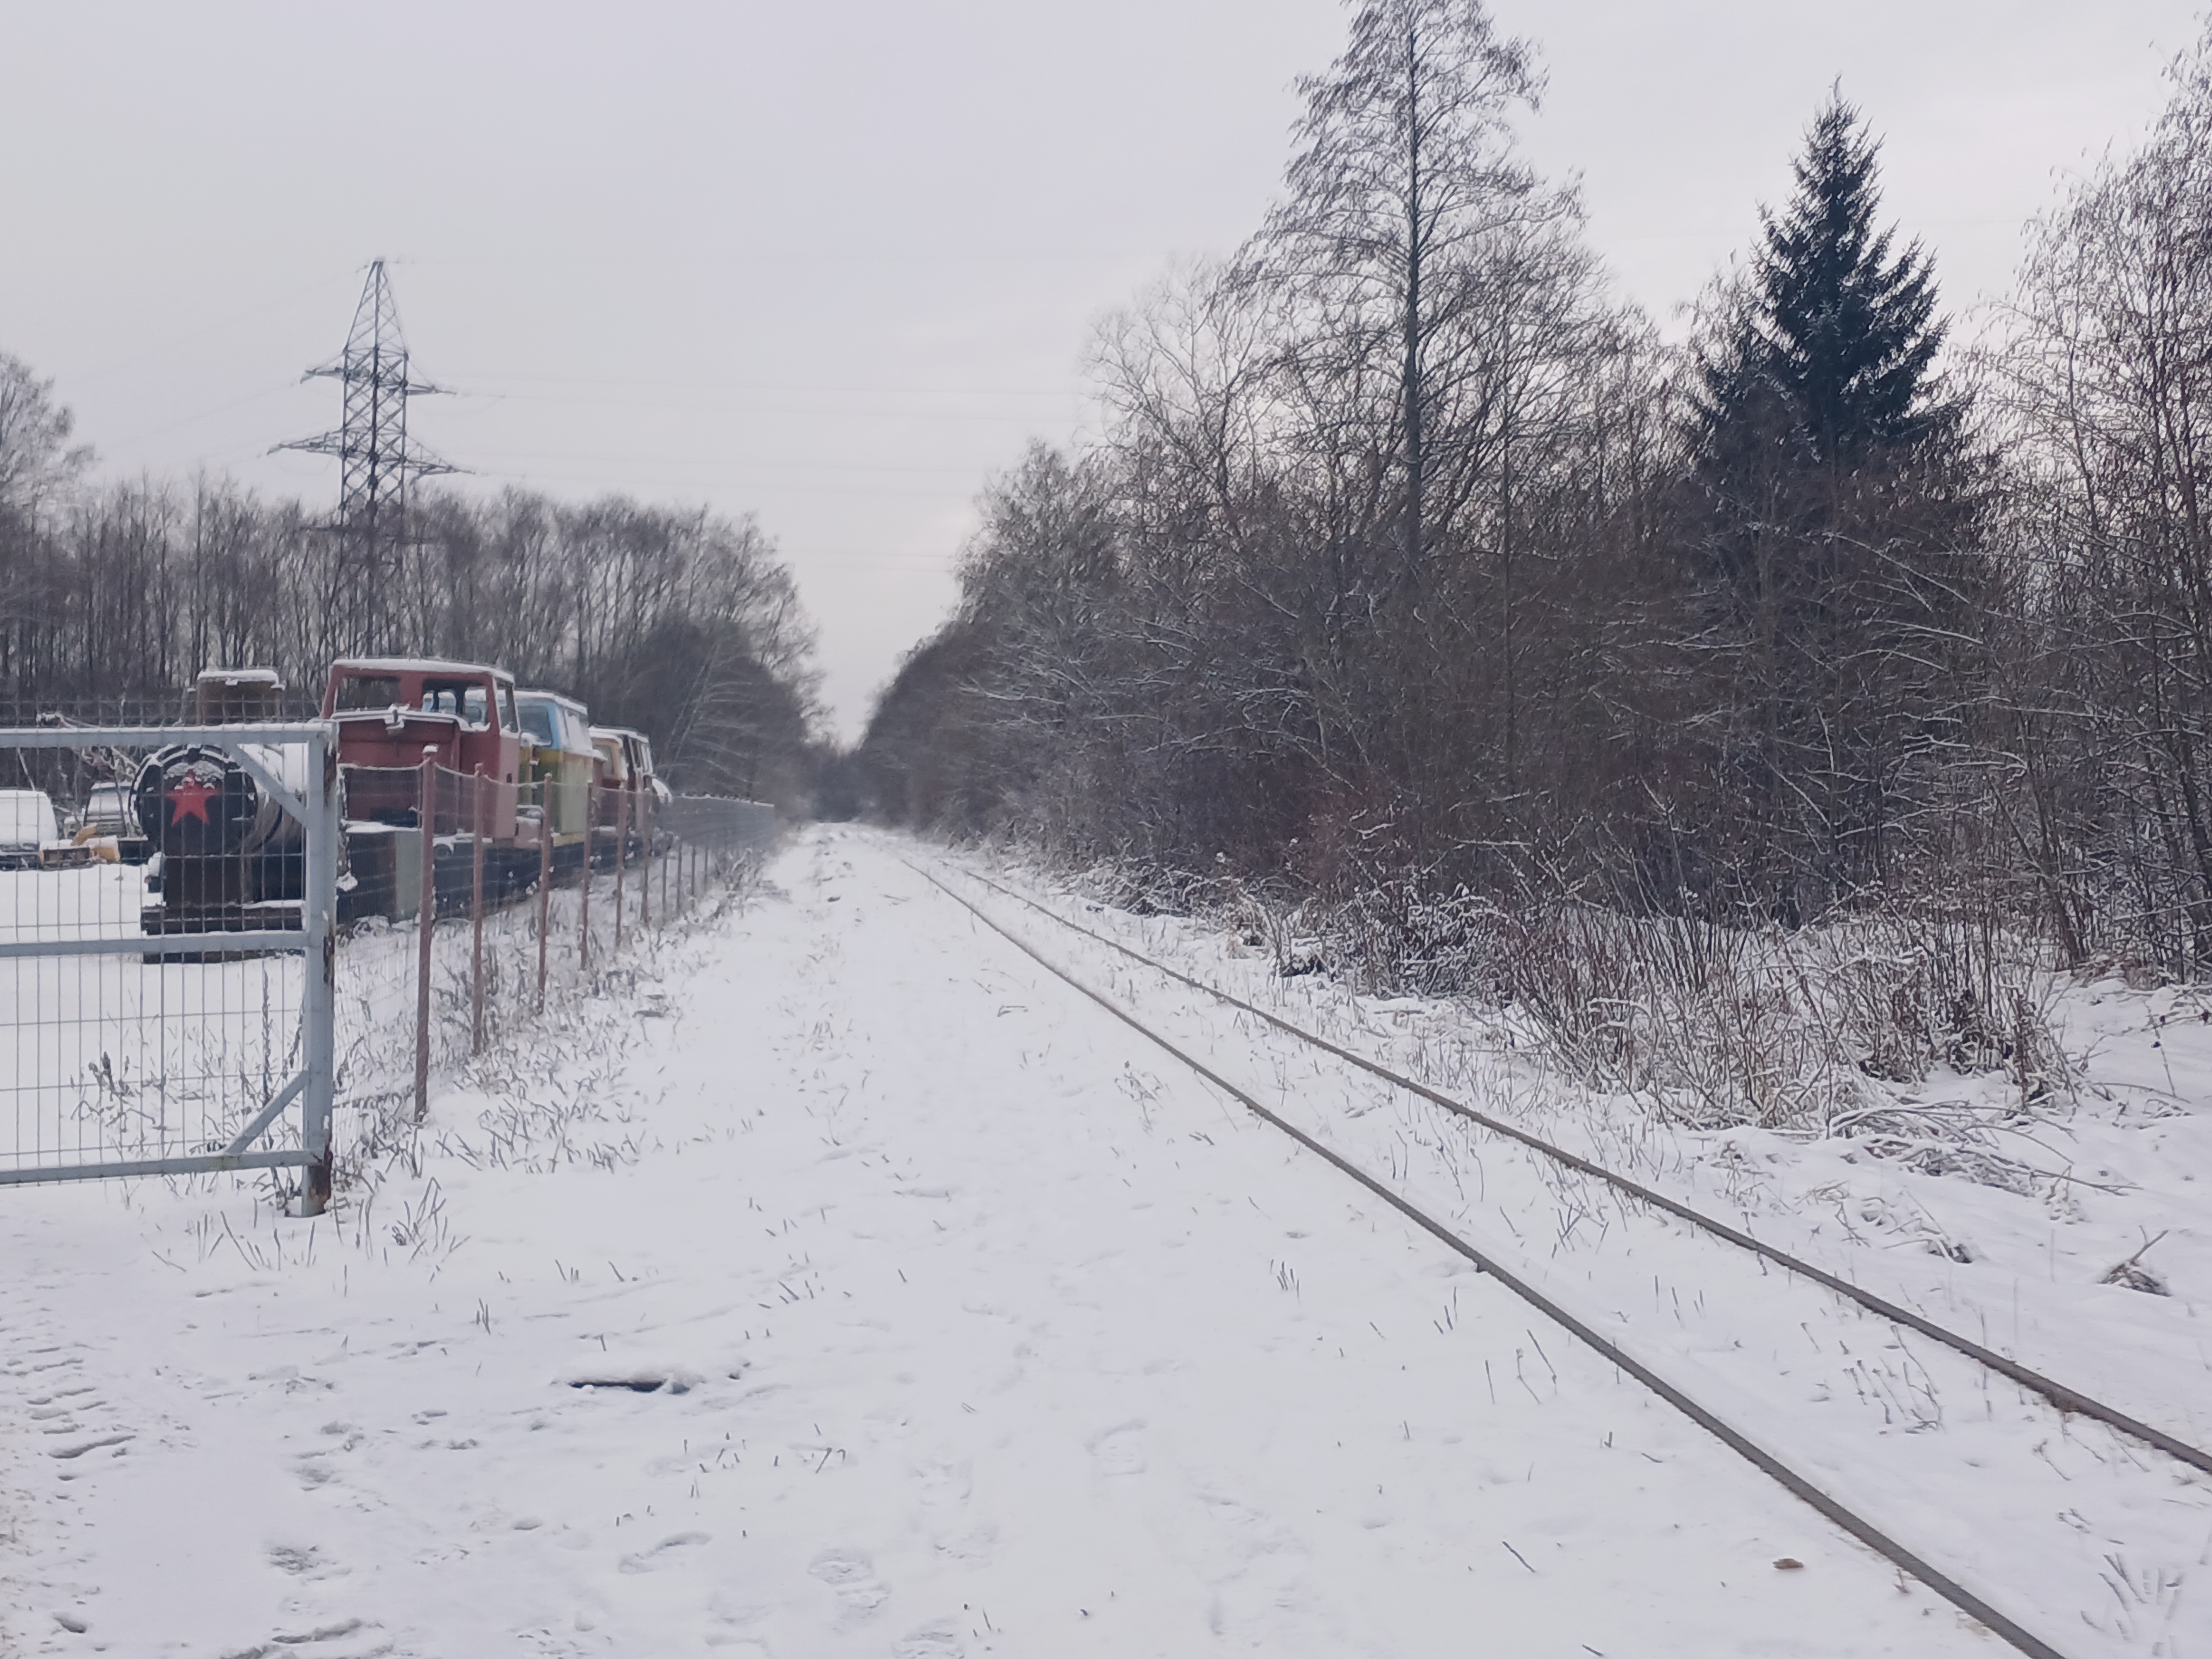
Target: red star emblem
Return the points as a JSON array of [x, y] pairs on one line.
[[188, 799]]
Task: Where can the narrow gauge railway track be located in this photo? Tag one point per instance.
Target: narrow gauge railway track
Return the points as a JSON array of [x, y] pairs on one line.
[[1766, 1460], [2057, 1393]]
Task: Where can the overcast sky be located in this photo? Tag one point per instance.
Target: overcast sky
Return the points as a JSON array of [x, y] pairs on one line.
[[833, 264]]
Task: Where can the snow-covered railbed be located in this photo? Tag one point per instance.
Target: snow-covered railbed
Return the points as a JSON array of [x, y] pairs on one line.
[[2087, 1253], [2046, 1514], [978, 1328]]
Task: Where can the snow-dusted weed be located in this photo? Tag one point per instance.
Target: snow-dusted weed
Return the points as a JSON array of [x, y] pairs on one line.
[[550, 1089], [1886, 1026]]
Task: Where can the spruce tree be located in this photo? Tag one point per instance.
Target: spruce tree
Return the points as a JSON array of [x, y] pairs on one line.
[[1828, 529], [1833, 333]]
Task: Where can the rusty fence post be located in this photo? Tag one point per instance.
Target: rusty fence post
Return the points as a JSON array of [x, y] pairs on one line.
[[475, 912], [584, 907], [645, 874], [622, 858], [426, 911], [545, 890]]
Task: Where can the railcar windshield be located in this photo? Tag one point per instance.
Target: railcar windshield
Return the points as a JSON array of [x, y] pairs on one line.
[[538, 722], [464, 698], [360, 691]]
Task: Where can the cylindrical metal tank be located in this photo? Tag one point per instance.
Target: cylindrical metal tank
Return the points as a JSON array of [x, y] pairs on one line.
[[195, 801]]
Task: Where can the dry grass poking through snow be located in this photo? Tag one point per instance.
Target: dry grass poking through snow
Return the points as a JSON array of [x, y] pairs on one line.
[[547, 1091], [1863, 1026]]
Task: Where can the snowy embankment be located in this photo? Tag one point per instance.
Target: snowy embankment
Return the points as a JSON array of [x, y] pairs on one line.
[[844, 1284], [2071, 1234]]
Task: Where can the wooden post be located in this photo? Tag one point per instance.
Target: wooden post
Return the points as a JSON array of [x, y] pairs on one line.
[[426, 912], [475, 912], [622, 858], [544, 887]]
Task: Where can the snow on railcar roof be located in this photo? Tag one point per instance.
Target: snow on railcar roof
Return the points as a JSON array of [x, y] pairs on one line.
[[418, 665], [561, 698]]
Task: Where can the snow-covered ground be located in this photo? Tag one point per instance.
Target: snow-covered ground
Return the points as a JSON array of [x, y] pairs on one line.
[[982, 1327]]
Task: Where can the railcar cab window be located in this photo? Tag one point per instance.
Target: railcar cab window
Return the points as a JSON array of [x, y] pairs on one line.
[[360, 691], [507, 708], [538, 722], [464, 698]]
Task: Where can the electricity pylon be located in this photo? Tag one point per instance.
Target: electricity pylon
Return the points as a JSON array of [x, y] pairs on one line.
[[376, 466]]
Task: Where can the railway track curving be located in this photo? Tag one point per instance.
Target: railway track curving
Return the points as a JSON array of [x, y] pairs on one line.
[[2064, 1398]]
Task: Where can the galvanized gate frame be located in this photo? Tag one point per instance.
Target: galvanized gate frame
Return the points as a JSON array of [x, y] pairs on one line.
[[316, 941]]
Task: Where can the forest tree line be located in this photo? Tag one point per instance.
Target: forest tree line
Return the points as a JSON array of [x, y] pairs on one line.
[[680, 622], [1411, 561]]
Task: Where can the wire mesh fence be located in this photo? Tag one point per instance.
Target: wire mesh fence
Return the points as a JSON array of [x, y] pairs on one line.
[[159, 950], [537, 888], [182, 944]]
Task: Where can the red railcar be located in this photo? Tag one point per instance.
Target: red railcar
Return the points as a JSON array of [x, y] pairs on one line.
[[390, 713]]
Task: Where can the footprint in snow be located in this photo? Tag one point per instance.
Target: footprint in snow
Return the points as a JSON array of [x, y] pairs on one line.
[[978, 1543], [648, 1560], [1119, 1449], [305, 1561], [78, 1448], [938, 1639], [943, 1484], [311, 1472], [852, 1575]]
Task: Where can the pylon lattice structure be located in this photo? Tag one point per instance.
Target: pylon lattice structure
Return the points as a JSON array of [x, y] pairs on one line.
[[376, 467]]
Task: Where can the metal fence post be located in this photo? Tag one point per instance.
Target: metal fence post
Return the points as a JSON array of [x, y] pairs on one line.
[[545, 892], [475, 911], [645, 865], [426, 911], [584, 904], [622, 858], [319, 974]]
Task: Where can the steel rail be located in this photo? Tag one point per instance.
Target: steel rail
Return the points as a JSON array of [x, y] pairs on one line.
[[2057, 1393], [1759, 1457]]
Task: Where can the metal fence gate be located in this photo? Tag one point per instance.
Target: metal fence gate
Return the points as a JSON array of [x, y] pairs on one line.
[[169, 901]]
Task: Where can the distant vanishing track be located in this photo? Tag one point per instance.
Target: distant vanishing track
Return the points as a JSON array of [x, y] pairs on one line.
[[1865, 1531]]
